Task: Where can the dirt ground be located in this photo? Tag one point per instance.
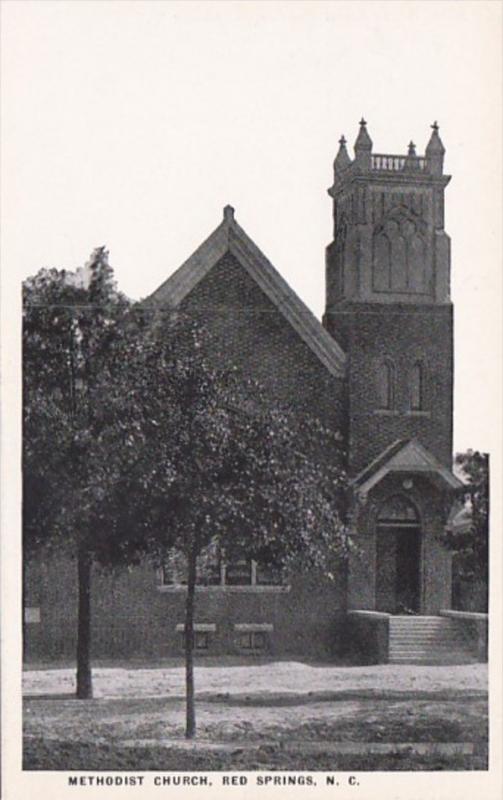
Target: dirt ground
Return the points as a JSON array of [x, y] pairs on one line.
[[280, 706], [269, 677]]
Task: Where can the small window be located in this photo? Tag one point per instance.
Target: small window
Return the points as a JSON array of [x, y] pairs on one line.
[[203, 635], [201, 640], [238, 573], [417, 387], [386, 385], [252, 641], [266, 575]]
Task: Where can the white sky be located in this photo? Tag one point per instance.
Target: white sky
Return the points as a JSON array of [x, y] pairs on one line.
[[132, 124]]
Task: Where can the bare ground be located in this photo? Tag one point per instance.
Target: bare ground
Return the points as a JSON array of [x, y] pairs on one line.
[[253, 714]]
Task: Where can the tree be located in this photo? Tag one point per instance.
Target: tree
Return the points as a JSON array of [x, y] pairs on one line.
[[68, 321], [469, 539], [200, 458], [167, 452]]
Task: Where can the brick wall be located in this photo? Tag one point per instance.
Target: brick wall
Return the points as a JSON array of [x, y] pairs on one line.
[[404, 333], [247, 330], [133, 618], [435, 559]]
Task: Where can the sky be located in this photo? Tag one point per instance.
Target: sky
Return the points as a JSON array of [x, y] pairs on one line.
[[132, 124]]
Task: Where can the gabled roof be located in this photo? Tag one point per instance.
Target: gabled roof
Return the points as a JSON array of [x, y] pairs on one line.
[[229, 237], [405, 455]]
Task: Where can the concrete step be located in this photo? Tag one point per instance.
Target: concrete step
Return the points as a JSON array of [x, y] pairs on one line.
[[433, 635], [426, 648], [433, 662], [441, 625], [414, 654], [397, 621], [445, 658], [428, 643]]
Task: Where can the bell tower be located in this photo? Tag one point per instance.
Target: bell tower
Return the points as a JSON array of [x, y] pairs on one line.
[[388, 296]]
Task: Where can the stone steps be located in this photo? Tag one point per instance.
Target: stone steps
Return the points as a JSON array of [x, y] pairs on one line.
[[427, 640]]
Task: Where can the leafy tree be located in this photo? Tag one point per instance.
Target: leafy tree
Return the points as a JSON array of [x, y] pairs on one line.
[[470, 541], [156, 450], [68, 321], [198, 456]]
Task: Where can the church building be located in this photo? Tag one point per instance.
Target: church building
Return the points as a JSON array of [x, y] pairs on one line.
[[378, 369]]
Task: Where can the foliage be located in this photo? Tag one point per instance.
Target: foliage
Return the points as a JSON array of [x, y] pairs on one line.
[[144, 446], [197, 456], [200, 454], [470, 541], [67, 323], [69, 320]]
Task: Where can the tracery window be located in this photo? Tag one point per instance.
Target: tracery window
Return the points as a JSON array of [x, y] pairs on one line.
[[399, 257]]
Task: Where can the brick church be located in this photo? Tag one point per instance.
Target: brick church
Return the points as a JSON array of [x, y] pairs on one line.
[[379, 369]]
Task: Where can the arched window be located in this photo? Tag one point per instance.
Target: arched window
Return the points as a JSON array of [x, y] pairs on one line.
[[416, 264], [381, 273], [416, 387], [386, 385], [397, 510], [398, 264]]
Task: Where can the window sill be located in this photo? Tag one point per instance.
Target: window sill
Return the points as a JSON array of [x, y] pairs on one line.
[[226, 589], [199, 627], [418, 414]]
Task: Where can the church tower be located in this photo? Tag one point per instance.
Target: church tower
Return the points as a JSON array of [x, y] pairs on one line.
[[388, 297]]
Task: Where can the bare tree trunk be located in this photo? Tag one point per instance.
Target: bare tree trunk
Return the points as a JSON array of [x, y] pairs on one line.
[[344, 567], [84, 676], [23, 603], [190, 719]]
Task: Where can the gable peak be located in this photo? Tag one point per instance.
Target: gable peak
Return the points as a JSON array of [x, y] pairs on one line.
[[228, 213]]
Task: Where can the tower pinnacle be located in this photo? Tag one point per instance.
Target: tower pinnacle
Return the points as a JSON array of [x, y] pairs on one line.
[[342, 159], [435, 151]]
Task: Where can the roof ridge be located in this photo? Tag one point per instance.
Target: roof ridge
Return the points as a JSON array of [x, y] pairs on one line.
[[229, 237], [365, 477], [180, 279], [327, 345]]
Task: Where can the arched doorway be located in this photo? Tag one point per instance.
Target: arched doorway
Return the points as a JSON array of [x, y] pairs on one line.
[[398, 557]]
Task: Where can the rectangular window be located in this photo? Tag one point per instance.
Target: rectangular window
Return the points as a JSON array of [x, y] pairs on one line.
[[201, 640], [238, 573], [203, 635], [252, 641], [214, 570], [267, 576]]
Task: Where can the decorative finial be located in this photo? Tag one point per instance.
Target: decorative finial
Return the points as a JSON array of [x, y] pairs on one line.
[[412, 148], [342, 160], [363, 141], [228, 213], [435, 152]]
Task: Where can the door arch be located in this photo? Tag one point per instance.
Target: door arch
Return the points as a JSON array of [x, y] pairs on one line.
[[398, 556]]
